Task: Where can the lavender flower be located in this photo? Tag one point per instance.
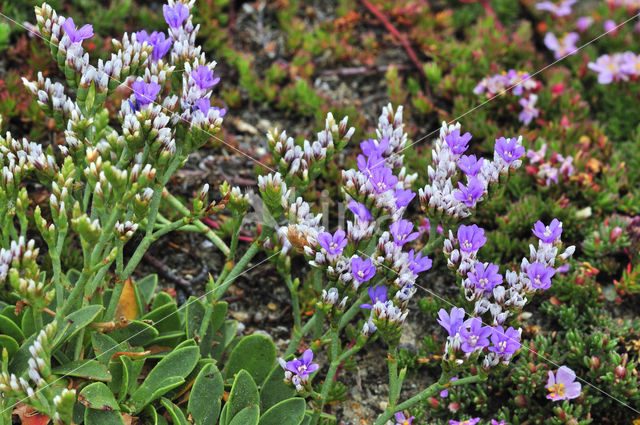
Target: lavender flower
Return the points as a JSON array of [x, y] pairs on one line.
[[366, 165], [379, 293], [77, 35], [145, 93], [403, 197], [474, 336], [470, 165], [472, 421], [382, 179], [401, 419], [453, 321], [203, 77], [471, 238], [485, 276], [418, 263], [562, 386], [563, 47], [583, 23], [548, 234], [445, 393], [529, 110], [610, 68], [176, 15], [609, 25], [561, 9], [303, 367], [371, 148], [359, 210], [204, 105], [401, 231], [158, 41], [471, 193], [458, 144], [362, 270], [540, 275], [509, 149], [505, 343], [495, 422], [333, 244]]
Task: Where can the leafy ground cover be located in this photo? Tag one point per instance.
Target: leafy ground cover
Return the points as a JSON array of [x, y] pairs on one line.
[[285, 64]]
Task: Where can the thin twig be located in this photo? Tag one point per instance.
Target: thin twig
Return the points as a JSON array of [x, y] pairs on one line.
[[168, 274]]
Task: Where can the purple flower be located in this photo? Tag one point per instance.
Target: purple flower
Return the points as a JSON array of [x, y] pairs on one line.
[[362, 270], [495, 422], [583, 23], [401, 231], [145, 93], [445, 393], [509, 149], [631, 64], [403, 197], [562, 9], [401, 419], [564, 47], [540, 275], [505, 343], [303, 367], [371, 148], [609, 25], [548, 234], [77, 35], [471, 238], [453, 321], [472, 421], [485, 277], [158, 41], [474, 335], [333, 244], [366, 165], [203, 77], [204, 105], [471, 193], [382, 179], [418, 263], [529, 110], [562, 386], [359, 210], [609, 68], [379, 293], [175, 15], [458, 144], [470, 165]]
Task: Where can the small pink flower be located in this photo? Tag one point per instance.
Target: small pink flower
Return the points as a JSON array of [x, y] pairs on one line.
[[562, 386]]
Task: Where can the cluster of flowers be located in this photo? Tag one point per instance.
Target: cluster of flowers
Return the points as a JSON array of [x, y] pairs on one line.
[[440, 197], [12, 257], [561, 9], [482, 284], [549, 170], [519, 83], [616, 67]]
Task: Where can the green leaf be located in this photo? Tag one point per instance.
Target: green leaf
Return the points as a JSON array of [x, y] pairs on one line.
[[218, 315], [224, 338], [9, 343], [28, 326], [274, 389], [175, 412], [247, 416], [254, 353], [166, 375], [89, 369], [98, 396], [103, 417], [194, 314], [104, 347], [164, 318], [244, 393], [287, 412], [76, 321], [119, 378], [8, 327], [147, 287], [137, 333], [160, 299], [204, 400]]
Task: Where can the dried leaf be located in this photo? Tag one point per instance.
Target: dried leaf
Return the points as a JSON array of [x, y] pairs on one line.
[[127, 305], [28, 416]]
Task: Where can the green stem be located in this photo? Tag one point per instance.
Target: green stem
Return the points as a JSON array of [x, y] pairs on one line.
[[298, 335], [113, 302], [295, 303], [394, 390], [237, 269], [328, 380], [210, 234], [424, 394], [353, 310]]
